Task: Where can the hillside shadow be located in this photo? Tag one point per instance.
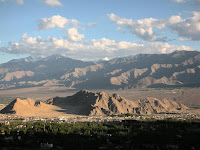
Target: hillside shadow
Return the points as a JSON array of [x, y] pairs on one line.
[[80, 103]]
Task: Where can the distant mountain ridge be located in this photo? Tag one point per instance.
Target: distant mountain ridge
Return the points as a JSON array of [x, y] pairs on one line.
[[28, 72], [180, 68], [89, 103]]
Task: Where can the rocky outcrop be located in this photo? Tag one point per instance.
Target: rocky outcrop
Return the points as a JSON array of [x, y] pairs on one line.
[[79, 72], [101, 103], [89, 103], [127, 76]]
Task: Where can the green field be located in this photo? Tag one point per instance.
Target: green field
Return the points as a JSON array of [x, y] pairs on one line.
[[150, 134]]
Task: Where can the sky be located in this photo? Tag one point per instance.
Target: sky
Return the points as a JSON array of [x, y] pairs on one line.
[[97, 29]]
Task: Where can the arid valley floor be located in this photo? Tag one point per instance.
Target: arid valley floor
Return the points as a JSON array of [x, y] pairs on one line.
[[187, 96]]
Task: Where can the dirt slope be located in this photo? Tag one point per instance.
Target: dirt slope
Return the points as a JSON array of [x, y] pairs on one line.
[[30, 107]]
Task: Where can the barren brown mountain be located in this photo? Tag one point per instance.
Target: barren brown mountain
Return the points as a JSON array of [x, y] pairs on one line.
[[177, 69], [30, 107], [89, 103], [85, 102]]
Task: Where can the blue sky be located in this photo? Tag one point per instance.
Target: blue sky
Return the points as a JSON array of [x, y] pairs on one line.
[[94, 29]]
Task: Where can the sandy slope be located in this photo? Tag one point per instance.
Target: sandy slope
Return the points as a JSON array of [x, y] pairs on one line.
[[30, 107]]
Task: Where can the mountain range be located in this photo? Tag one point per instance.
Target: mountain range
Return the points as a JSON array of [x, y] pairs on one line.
[[180, 68], [89, 103]]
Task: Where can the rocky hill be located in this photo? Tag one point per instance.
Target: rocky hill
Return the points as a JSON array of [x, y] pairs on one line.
[[180, 68], [101, 103], [87, 103], [30, 107]]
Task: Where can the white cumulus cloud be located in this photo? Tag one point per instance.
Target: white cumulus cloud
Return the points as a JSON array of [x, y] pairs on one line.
[[179, 1], [146, 28], [86, 50], [20, 2], [55, 21], [53, 2], [73, 35], [188, 28], [30, 40], [141, 28]]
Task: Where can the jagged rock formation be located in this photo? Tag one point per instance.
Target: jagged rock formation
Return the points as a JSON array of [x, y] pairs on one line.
[[101, 103], [85, 102]]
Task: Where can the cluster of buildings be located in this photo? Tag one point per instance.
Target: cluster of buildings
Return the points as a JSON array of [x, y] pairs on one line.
[[6, 119]]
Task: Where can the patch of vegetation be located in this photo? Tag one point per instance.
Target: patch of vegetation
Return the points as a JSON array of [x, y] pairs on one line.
[[128, 134], [125, 115]]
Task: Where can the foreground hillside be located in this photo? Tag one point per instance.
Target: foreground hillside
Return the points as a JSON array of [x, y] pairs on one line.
[[92, 104], [177, 69], [30, 107]]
